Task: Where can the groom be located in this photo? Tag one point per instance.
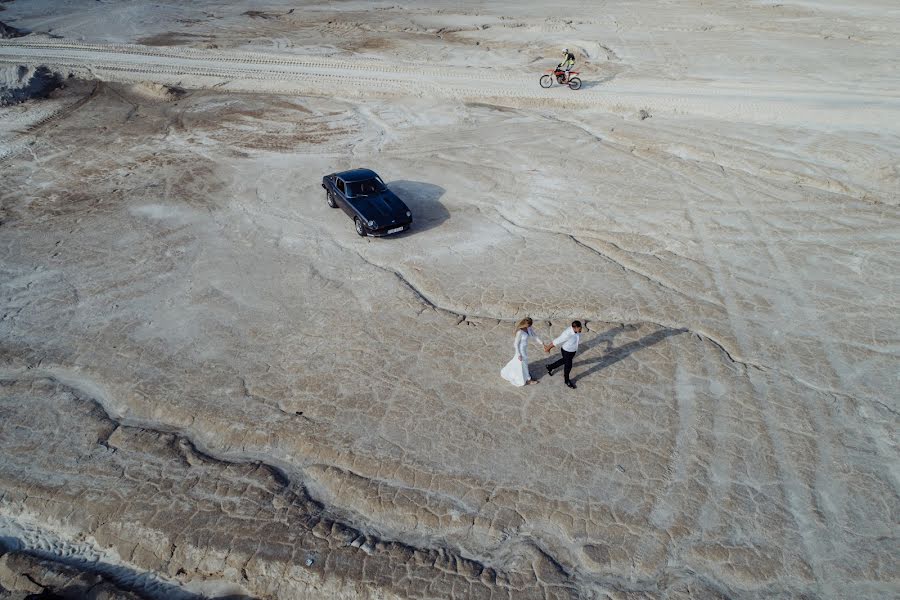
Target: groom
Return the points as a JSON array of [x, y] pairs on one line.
[[568, 344]]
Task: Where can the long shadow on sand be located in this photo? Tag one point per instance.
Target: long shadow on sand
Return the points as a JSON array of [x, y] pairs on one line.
[[612, 355], [423, 200]]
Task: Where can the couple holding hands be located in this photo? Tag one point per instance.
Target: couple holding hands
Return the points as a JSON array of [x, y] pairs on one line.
[[516, 370]]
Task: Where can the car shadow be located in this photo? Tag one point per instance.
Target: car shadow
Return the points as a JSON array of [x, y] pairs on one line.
[[423, 200], [611, 354]]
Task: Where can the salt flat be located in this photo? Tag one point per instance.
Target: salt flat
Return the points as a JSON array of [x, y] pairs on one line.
[[212, 387]]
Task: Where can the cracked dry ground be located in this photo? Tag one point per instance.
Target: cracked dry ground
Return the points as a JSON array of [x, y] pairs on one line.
[[207, 377]]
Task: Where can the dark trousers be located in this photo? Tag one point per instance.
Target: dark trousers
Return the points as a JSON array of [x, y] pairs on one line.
[[567, 358]]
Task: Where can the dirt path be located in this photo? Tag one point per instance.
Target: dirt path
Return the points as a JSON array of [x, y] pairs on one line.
[[291, 74]]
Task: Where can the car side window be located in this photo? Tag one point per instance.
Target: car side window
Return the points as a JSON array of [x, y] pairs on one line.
[[340, 186]]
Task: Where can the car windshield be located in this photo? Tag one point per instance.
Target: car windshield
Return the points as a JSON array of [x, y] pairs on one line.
[[365, 188]]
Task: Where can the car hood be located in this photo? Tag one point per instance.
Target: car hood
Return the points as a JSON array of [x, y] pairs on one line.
[[383, 208]]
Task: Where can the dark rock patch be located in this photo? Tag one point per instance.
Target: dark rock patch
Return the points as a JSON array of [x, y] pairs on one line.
[[29, 84], [8, 31]]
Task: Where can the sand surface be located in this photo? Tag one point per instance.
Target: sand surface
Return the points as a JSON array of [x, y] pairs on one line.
[[210, 386]]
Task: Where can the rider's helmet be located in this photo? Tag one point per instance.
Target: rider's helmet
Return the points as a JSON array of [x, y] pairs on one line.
[[565, 50]]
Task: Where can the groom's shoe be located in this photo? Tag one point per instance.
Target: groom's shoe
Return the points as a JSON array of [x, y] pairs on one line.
[[549, 371], [571, 385]]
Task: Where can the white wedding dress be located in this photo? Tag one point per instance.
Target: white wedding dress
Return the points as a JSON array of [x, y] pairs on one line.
[[516, 371]]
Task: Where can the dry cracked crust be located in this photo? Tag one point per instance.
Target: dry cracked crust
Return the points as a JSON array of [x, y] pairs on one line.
[[203, 516], [173, 398]]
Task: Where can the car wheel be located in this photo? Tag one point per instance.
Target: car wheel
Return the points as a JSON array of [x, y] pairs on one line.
[[359, 227], [329, 195]]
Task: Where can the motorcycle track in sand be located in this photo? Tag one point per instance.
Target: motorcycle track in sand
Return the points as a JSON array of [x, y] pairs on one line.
[[357, 77]]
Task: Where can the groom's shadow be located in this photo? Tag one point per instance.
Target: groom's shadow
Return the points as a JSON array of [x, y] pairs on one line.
[[611, 355], [604, 338]]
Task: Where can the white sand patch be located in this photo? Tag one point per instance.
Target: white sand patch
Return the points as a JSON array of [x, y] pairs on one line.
[[157, 91], [164, 212]]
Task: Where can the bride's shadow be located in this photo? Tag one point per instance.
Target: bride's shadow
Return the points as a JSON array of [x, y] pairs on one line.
[[611, 354]]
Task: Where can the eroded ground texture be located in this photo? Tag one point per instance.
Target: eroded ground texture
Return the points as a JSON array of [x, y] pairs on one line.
[[210, 386]]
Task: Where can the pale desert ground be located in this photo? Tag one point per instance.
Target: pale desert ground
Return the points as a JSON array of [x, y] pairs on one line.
[[211, 387]]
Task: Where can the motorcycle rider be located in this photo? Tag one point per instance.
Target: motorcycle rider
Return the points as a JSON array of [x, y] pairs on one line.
[[567, 63]]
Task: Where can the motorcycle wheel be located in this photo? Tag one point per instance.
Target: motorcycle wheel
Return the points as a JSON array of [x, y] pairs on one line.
[[574, 83], [546, 81]]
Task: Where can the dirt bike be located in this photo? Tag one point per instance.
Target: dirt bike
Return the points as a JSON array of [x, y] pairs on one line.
[[547, 80]]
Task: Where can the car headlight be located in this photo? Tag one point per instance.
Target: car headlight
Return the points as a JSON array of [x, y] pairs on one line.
[[408, 214], [371, 223]]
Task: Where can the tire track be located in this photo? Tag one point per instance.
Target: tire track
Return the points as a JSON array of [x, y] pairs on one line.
[[14, 145], [825, 492], [242, 71], [65, 111], [790, 481], [795, 492], [254, 58]]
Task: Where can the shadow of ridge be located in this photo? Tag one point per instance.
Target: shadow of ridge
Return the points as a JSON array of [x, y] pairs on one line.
[[144, 585], [622, 352], [423, 200]]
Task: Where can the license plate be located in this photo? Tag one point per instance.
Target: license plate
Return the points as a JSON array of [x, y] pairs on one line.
[[395, 230]]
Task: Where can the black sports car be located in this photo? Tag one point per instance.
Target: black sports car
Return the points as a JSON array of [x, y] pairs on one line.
[[365, 198]]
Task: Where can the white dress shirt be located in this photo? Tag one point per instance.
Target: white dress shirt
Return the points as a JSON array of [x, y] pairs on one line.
[[568, 340]]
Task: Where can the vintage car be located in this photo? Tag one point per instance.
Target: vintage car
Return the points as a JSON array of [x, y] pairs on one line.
[[365, 198]]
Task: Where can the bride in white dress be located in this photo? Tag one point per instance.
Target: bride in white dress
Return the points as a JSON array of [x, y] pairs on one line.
[[516, 370]]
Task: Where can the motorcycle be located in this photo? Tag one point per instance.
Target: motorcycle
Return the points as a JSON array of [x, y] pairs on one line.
[[560, 75]]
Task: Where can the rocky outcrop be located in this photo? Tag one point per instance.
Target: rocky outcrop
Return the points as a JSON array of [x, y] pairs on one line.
[[21, 83], [8, 31]]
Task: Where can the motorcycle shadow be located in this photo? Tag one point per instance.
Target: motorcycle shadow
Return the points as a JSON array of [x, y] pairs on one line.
[[592, 83]]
